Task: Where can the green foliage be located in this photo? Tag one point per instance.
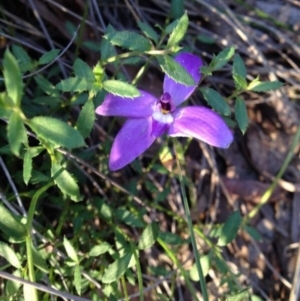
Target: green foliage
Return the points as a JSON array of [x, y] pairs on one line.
[[119, 88], [9, 254], [230, 228], [179, 31], [12, 78], [222, 58], [216, 101], [175, 71], [128, 40], [241, 115], [148, 236], [56, 131], [258, 86], [117, 269], [148, 31], [48, 57]]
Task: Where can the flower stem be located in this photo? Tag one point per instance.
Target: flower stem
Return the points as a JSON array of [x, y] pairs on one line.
[[191, 229]]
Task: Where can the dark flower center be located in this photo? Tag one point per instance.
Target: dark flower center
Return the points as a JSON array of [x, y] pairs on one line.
[[165, 103]]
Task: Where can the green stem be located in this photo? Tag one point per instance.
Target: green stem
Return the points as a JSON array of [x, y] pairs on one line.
[[139, 274], [124, 288], [191, 229], [266, 196]]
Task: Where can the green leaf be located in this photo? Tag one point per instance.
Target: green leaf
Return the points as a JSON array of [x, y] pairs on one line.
[[74, 84], [128, 217], [119, 88], [86, 119], [12, 287], [230, 228], [27, 167], [148, 236], [240, 82], [179, 31], [56, 131], [240, 296], [65, 182], [171, 238], [205, 262], [9, 254], [27, 162], [175, 70], [241, 114], [177, 8], [39, 261], [77, 279], [82, 69], [258, 86], [239, 66], [106, 48], [148, 31], [115, 270], [12, 78], [100, 249], [23, 58], [253, 233], [222, 58], [206, 70], [11, 226], [128, 40], [216, 101], [48, 57], [206, 39], [16, 133], [71, 252], [46, 86]]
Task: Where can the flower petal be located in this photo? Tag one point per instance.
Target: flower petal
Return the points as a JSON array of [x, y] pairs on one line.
[[140, 106], [180, 92], [132, 140], [201, 123]]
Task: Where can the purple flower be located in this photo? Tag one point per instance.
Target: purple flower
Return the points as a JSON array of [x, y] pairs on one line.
[[149, 117]]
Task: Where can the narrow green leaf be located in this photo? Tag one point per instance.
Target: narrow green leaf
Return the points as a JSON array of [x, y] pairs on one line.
[[241, 114], [239, 66], [74, 84], [56, 131], [27, 167], [23, 58], [148, 236], [16, 133], [179, 31], [12, 287], [128, 40], [230, 229], [66, 183], [9, 254], [71, 252], [86, 119], [48, 57], [46, 86], [239, 81], [117, 87], [175, 70], [177, 8], [258, 86], [205, 262], [240, 296], [106, 48], [171, 238], [9, 225], [27, 162], [39, 261], [216, 101], [206, 39], [77, 279], [222, 58], [148, 31], [82, 69], [253, 233], [116, 269], [12, 78], [99, 249]]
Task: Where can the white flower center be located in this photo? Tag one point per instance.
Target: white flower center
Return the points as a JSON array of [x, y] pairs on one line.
[[162, 117]]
